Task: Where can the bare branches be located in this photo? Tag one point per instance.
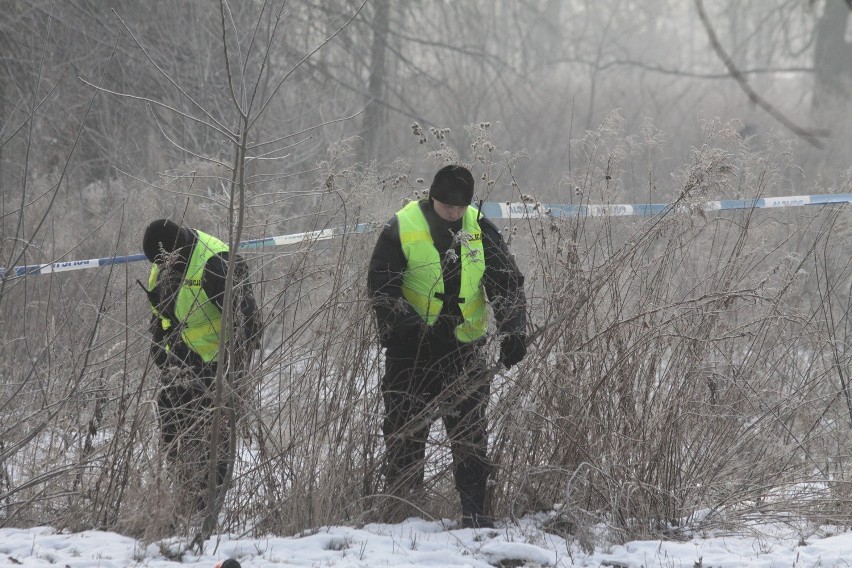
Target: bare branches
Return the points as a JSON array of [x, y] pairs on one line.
[[215, 122], [809, 135], [293, 69]]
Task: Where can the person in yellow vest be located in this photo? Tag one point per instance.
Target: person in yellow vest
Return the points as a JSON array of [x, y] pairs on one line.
[[186, 292], [436, 266]]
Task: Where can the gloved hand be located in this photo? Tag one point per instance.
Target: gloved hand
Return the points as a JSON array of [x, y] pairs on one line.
[[513, 348], [153, 295], [159, 354], [404, 336], [441, 339]]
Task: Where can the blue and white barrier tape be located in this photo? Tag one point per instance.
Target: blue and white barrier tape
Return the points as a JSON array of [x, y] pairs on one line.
[[493, 210], [282, 240], [538, 210]]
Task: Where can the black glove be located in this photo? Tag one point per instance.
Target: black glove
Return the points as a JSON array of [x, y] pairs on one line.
[[513, 348], [159, 354], [405, 335], [153, 295], [441, 339]]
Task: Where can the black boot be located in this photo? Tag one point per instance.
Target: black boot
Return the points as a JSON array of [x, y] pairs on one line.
[[403, 496], [477, 521], [473, 516]]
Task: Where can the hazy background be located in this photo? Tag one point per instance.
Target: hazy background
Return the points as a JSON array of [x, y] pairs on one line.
[[541, 72], [682, 365]]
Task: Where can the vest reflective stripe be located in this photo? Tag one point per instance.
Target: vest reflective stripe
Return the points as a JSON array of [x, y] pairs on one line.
[[423, 281], [200, 318]]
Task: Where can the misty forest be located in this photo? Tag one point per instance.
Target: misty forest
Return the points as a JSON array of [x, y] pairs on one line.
[[687, 370]]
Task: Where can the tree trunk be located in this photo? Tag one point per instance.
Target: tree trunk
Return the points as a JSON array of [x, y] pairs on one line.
[[374, 113], [832, 59]]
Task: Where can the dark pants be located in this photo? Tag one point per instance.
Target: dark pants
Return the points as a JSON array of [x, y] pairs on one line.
[[451, 386], [185, 410]]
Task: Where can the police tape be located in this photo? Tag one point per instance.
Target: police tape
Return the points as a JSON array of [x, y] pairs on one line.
[[493, 210], [541, 210], [281, 240]]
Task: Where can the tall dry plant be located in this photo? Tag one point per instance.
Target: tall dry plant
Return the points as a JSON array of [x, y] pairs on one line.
[[685, 374]]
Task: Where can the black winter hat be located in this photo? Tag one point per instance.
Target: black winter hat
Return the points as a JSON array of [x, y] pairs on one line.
[[453, 185], [164, 234]]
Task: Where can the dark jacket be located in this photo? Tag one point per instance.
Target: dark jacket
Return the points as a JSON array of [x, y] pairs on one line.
[[246, 313], [399, 325]]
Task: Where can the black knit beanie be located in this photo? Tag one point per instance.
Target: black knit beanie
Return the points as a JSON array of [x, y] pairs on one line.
[[166, 235], [453, 185]]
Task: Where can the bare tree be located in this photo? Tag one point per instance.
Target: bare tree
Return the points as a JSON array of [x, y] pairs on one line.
[[372, 120], [832, 56]]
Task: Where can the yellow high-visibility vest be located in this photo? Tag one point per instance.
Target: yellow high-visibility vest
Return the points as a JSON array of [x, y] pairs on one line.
[[199, 318], [423, 282]]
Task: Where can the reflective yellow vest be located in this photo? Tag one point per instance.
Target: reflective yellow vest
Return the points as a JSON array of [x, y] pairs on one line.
[[201, 319], [423, 282]]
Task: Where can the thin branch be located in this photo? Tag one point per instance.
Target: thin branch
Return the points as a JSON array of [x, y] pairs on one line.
[[228, 74], [266, 54], [217, 127], [314, 127], [182, 148], [674, 71], [809, 135]]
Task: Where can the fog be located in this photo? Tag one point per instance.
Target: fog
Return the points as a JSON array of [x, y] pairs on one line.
[[682, 364], [145, 88]]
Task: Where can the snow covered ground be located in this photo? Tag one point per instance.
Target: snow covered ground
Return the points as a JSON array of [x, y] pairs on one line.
[[433, 544]]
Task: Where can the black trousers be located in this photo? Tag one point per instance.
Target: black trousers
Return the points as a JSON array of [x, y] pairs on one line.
[[185, 410], [417, 390]]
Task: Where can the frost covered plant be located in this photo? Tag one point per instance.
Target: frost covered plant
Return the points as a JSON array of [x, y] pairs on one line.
[[417, 130], [462, 237]]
